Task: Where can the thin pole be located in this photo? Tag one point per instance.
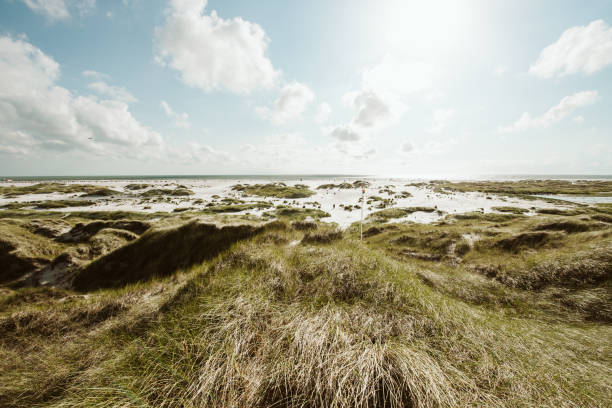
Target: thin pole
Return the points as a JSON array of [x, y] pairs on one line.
[[361, 223]]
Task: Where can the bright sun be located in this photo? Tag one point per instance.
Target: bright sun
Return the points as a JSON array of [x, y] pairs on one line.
[[429, 27]]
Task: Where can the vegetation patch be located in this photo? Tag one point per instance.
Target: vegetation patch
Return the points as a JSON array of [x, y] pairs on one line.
[[230, 208], [512, 210], [569, 226], [279, 190], [48, 205], [344, 185], [160, 253], [83, 232], [490, 217], [578, 187], [398, 212], [525, 240], [304, 225], [559, 211], [322, 237], [296, 213], [137, 186], [177, 192], [102, 192], [47, 188]]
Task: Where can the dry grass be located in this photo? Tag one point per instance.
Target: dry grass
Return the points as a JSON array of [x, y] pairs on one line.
[[242, 318], [279, 190], [341, 326], [582, 187]]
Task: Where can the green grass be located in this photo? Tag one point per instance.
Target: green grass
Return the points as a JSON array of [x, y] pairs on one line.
[[344, 185], [294, 213], [49, 204], [102, 192], [397, 212], [260, 316], [159, 253], [279, 190], [47, 188], [230, 208], [157, 192], [578, 187], [137, 186], [512, 210]]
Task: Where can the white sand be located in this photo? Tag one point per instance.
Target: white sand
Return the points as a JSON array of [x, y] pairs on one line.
[[205, 189]]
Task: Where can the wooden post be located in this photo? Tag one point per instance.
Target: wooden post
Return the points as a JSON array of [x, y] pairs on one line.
[[361, 223]]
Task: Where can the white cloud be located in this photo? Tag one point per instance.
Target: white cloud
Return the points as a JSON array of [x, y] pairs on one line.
[[37, 115], [372, 110], [578, 119], [85, 7], [406, 147], [441, 118], [59, 9], [323, 112], [293, 100], [586, 49], [555, 114], [380, 103], [52, 9], [212, 53], [345, 133], [95, 75], [181, 120], [115, 92]]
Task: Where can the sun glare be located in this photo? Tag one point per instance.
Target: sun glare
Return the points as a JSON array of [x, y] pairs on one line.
[[427, 27]]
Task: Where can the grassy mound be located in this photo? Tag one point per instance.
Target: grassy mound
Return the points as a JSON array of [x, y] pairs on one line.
[[231, 208], [83, 232], [296, 213], [48, 205], [491, 217], [583, 187], [177, 192], [200, 315], [22, 251], [569, 226], [344, 185], [324, 326], [398, 212], [102, 192], [279, 190], [525, 240], [47, 188], [137, 186], [159, 253], [513, 210]]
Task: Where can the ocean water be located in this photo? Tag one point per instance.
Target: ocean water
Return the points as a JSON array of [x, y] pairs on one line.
[[272, 177]]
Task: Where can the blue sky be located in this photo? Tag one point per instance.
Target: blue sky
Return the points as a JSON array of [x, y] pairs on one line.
[[404, 88]]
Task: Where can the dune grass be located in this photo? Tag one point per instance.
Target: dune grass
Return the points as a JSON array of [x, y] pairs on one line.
[[295, 213], [397, 212], [278, 190], [48, 204], [47, 188], [292, 315], [578, 187], [157, 192]]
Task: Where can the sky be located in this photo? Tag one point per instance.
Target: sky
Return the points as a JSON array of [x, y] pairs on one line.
[[438, 88]]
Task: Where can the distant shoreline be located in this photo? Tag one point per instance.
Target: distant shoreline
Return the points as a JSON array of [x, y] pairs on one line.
[[304, 176]]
